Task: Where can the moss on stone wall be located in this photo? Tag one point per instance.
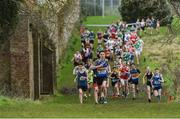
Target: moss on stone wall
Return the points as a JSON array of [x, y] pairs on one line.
[[9, 17]]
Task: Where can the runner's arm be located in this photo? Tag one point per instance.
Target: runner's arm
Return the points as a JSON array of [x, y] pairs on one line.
[[87, 75], [74, 71], [109, 68], [75, 79], [95, 67], [144, 78], [152, 80], [129, 76], [72, 59], [139, 73], [108, 80], [162, 79]]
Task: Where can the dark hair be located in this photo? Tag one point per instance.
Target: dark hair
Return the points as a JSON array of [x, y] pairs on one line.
[[101, 51], [156, 68], [133, 64]]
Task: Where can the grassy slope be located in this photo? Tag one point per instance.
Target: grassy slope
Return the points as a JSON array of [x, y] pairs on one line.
[[68, 106], [65, 72]]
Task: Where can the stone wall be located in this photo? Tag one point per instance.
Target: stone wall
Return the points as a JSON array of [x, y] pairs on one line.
[[4, 68], [21, 59], [31, 52], [4, 73]]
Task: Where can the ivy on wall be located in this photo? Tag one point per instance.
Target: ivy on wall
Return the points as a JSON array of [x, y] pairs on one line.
[[9, 17]]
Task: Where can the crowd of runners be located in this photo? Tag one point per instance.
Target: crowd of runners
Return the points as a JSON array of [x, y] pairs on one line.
[[148, 25], [114, 60]]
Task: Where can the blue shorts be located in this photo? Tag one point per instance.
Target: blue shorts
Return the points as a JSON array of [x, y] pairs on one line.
[[102, 76], [157, 88], [84, 88], [135, 81]]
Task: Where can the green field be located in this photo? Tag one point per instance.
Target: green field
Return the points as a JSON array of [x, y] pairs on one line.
[[101, 20], [68, 105]]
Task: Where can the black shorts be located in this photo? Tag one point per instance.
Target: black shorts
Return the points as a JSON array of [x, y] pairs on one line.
[[135, 82], [148, 83], [91, 41], [84, 88], [98, 81], [157, 88], [143, 28], [85, 59], [130, 81], [114, 83], [83, 41]]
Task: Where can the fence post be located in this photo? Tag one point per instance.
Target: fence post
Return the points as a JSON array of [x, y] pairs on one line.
[[103, 8]]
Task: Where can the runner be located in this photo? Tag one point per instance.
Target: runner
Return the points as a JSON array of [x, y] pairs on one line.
[[148, 74], [126, 56], [90, 75], [90, 81], [106, 36], [138, 24], [110, 44], [138, 50], [87, 54], [140, 42], [135, 73], [132, 53], [91, 37], [149, 25], [154, 23], [100, 37], [99, 49], [82, 29], [101, 81], [81, 80], [87, 44], [118, 52], [143, 24], [158, 25], [108, 53], [157, 81], [115, 82], [124, 78], [77, 58]]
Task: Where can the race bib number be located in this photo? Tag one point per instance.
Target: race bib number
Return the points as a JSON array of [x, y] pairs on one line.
[[82, 78], [102, 74], [157, 82]]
